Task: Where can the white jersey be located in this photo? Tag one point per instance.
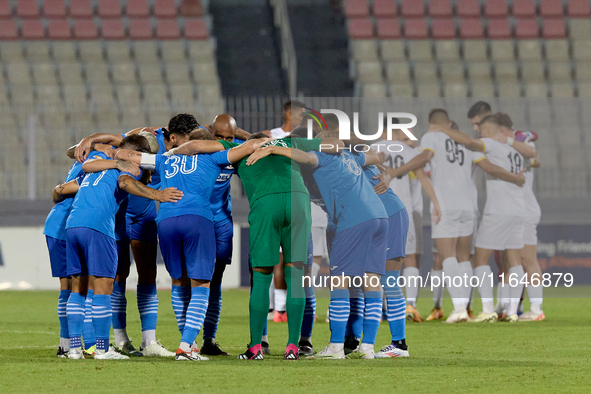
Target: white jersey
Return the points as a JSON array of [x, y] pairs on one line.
[[318, 215], [532, 208], [278, 132], [451, 172], [502, 197], [399, 185]]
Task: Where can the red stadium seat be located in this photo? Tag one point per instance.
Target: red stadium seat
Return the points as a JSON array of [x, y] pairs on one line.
[[412, 9], [8, 30], [440, 9], [554, 28], [168, 29], [443, 29], [360, 28], [495, 9], [109, 9], [551, 8], [471, 29], [356, 8], [140, 29], [499, 29], [526, 28], [384, 8], [468, 8], [524, 9], [33, 30], [85, 29], [137, 9], [54, 9], [164, 8], [112, 29], [388, 28], [80, 9], [196, 29], [416, 29], [191, 8], [27, 9], [4, 9], [578, 9], [59, 30]]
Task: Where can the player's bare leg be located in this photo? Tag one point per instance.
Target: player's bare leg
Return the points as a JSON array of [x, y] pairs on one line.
[[516, 279], [447, 248], [503, 296], [535, 290], [436, 282], [463, 252], [411, 275], [485, 286]]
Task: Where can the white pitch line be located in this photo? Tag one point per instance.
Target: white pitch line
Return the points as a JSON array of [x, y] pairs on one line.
[[30, 332]]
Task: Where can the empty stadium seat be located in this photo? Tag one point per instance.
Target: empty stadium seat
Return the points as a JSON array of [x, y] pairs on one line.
[[557, 50], [393, 50], [70, 73], [123, 73], [32, 29], [97, 73], [384, 8], [177, 72], [447, 50], [412, 9], [440, 9], [195, 29], [580, 29], [526, 29], [85, 29], [559, 71], [468, 8], [536, 90], [200, 50], [524, 9], [479, 71], [155, 93], [443, 29], [495, 9], [388, 28], [425, 72], [582, 50], [5, 9], [81, 9], [137, 9], [562, 89], [18, 73], [8, 30], [48, 94], [145, 51], [583, 70], [551, 8], [474, 50], [359, 29], [112, 29], [140, 29], [428, 90], [501, 50], [59, 30], [397, 72], [91, 51], [471, 29], [419, 50], [584, 89], [553, 29], [506, 71], [150, 72], [44, 73], [532, 71], [483, 89], [401, 90], [416, 29], [38, 51], [455, 90], [173, 51], [364, 49], [64, 51], [373, 90], [509, 89], [578, 9], [499, 29], [54, 9], [181, 93], [109, 9], [167, 30], [164, 8], [118, 51], [27, 9], [205, 72], [22, 95], [74, 95], [369, 72], [452, 72], [529, 49], [128, 95]]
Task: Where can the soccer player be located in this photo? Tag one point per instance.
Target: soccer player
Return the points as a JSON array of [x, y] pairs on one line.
[[293, 112], [502, 224], [55, 236], [91, 247], [186, 230], [279, 216]]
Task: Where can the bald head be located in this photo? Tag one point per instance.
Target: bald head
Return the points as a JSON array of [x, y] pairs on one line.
[[224, 127]]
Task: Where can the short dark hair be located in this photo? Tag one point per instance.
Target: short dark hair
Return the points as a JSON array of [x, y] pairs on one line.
[[504, 120], [136, 142], [332, 121], [181, 124], [492, 119], [293, 103], [455, 126], [201, 134], [257, 136], [479, 108], [438, 115]]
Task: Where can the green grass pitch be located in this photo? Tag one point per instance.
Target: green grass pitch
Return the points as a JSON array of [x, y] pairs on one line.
[[551, 356]]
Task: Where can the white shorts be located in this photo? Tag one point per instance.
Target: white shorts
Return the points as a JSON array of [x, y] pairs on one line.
[[319, 241], [454, 224], [418, 221], [411, 238], [500, 232], [530, 230]]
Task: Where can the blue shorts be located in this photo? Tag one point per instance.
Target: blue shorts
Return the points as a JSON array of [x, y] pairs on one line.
[[89, 252], [57, 257], [397, 232], [187, 244], [224, 232], [142, 229], [310, 251], [360, 249]]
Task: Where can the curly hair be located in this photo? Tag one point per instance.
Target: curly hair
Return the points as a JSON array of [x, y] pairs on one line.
[[181, 124]]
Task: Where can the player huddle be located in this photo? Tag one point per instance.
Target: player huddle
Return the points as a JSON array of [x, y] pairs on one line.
[[372, 203]]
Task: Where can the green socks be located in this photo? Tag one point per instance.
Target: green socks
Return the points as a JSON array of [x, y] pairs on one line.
[[296, 302], [259, 306]]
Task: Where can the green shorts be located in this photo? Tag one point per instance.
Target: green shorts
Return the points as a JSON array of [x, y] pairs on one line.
[[281, 219]]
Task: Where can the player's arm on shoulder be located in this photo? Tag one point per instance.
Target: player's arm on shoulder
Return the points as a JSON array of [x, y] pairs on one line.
[[331, 145], [132, 186], [308, 159], [526, 150], [198, 146], [535, 163], [500, 173], [266, 132], [242, 134], [464, 139], [61, 191], [84, 147], [428, 188], [371, 158], [384, 184], [239, 152]]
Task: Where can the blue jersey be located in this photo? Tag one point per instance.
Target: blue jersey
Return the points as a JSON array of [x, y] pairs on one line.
[[97, 200], [348, 196], [55, 224], [140, 207], [391, 201], [221, 200], [195, 177]]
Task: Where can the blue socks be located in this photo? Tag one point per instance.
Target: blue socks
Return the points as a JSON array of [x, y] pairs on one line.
[[88, 328], [309, 313], [119, 305], [396, 305], [339, 310], [62, 301], [214, 309], [195, 314], [181, 296], [371, 318], [147, 305], [75, 314], [101, 318], [355, 323]]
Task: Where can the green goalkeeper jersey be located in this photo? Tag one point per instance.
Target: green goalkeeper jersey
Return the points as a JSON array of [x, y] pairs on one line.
[[273, 174]]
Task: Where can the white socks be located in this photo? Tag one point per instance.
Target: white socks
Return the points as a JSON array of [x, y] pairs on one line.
[[120, 336], [272, 295], [437, 290], [485, 289], [466, 273], [451, 269], [315, 270], [147, 337], [412, 289], [515, 291], [536, 296], [65, 344], [280, 299]]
